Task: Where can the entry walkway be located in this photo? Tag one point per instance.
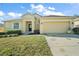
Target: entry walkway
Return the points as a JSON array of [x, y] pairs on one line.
[[63, 46]]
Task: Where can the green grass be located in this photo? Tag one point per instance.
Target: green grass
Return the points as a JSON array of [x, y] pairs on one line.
[[24, 46]]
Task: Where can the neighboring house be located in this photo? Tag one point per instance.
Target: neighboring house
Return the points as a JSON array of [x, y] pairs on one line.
[[43, 24], [1, 28]]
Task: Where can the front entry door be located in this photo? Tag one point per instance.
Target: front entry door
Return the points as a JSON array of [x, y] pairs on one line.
[[29, 27]]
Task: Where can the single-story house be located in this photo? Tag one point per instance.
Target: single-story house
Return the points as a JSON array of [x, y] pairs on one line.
[[30, 23]]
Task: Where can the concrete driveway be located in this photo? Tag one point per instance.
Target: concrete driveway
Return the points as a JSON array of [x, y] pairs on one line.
[[63, 46]]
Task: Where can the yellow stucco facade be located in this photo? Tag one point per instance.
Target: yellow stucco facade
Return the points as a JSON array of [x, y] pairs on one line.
[[24, 23], [1, 29], [43, 24], [55, 25]]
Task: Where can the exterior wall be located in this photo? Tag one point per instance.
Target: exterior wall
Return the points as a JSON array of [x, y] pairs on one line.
[[25, 25], [54, 25], [76, 24], [44, 24], [8, 25], [22, 23], [34, 19], [25, 19], [37, 24], [1, 29]]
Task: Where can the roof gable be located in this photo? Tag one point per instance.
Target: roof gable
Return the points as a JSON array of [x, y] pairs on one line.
[[27, 16], [30, 16]]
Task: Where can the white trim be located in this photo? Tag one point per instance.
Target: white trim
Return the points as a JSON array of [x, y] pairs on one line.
[[54, 20]]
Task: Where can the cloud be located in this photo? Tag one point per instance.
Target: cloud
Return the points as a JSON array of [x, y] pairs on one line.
[[2, 13], [51, 8], [13, 14], [38, 8], [29, 10], [52, 13], [19, 14], [44, 10], [1, 19], [33, 6]]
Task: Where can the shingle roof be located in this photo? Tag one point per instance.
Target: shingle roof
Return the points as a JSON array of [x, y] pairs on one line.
[[57, 16], [12, 20], [46, 16]]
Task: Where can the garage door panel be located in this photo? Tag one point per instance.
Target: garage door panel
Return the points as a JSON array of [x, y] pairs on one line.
[[55, 27]]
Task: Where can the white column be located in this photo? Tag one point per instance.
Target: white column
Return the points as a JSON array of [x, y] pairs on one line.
[[33, 26]]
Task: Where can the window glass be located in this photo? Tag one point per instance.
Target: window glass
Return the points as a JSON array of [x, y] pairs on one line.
[[16, 25]]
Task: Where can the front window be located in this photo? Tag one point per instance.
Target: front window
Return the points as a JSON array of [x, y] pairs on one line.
[[16, 25]]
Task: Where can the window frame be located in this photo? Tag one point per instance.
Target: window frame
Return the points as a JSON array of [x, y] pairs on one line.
[[16, 26]]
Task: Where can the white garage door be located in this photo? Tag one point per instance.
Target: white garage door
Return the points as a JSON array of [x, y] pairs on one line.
[[54, 27]]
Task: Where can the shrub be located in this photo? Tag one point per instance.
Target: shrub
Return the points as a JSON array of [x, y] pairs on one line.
[[11, 33], [75, 30], [2, 33], [14, 32]]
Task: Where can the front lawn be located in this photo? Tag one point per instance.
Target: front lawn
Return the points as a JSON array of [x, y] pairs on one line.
[[24, 46]]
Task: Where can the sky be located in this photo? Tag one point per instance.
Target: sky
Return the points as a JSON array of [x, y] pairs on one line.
[[16, 10]]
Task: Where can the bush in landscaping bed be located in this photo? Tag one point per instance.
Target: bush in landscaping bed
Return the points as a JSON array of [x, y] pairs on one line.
[[11, 33], [75, 30], [14, 32], [2, 33], [2, 36]]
